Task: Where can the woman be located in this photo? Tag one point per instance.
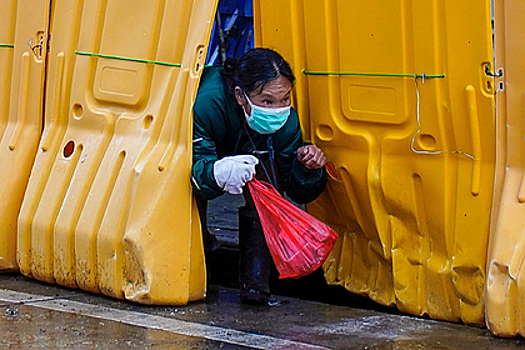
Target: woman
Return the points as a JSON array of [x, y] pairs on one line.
[[244, 126]]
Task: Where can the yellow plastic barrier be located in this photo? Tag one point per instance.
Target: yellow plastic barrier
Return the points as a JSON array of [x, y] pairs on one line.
[[396, 95], [109, 206], [505, 286], [23, 32]]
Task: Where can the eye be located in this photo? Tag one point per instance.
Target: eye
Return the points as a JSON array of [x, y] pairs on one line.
[[286, 100], [267, 102]]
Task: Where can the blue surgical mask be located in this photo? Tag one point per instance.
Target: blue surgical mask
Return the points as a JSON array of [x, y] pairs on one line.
[[266, 120]]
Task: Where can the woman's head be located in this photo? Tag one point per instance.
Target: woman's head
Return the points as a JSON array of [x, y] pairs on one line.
[[262, 78], [255, 70], [259, 66]]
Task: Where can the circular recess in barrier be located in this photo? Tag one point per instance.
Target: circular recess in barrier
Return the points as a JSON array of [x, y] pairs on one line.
[[78, 110], [426, 142], [324, 132], [146, 123], [69, 149]]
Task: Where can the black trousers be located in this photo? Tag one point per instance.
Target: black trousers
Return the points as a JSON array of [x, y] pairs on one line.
[[255, 261]]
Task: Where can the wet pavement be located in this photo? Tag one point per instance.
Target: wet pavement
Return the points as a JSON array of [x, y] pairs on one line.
[[34, 315], [307, 314]]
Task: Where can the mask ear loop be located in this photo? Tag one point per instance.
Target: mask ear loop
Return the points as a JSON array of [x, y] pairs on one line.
[[248, 117]]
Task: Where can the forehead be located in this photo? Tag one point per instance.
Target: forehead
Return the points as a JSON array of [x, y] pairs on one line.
[[277, 87]]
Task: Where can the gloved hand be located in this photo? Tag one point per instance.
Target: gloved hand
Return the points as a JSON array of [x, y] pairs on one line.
[[232, 173]]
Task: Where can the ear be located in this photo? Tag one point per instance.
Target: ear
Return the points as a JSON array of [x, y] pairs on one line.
[[239, 96]]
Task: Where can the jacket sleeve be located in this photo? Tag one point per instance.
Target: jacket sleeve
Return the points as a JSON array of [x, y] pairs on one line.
[[204, 151], [301, 184]]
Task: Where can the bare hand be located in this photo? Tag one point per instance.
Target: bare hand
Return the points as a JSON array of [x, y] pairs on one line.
[[311, 157]]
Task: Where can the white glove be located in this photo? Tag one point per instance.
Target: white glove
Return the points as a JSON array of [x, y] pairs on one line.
[[232, 173]]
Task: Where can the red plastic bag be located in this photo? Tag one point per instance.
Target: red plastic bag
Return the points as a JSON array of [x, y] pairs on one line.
[[298, 242]]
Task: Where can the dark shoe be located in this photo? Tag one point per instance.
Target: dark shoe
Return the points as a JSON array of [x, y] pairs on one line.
[[254, 297]]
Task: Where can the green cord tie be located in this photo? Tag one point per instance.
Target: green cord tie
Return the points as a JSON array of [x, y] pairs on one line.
[[7, 45], [422, 76], [127, 59]]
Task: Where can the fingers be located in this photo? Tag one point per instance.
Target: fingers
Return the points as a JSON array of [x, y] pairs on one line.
[[233, 189], [232, 173], [248, 174], [303, 150], [305, 153], [311, 157], [317, 161]]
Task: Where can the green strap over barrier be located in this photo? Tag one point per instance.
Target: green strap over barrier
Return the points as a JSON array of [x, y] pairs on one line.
[[82, 53], [422, 76], [7, 45]]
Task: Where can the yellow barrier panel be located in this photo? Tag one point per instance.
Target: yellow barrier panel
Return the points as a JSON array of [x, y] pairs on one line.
[[396, 95], [505, 286], [109, 206], [23, 32]]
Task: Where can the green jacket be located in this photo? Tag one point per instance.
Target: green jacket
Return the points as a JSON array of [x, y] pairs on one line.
[[218, 131]]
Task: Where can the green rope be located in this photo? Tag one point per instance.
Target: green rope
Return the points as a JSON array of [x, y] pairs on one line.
[[7, 45], [425, 76], [127, 59]]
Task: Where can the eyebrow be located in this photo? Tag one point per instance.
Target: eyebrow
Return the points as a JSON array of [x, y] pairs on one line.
[[266, 95]]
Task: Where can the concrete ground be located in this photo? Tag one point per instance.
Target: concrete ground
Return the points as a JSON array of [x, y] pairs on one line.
[[34, 315], [306, 314]]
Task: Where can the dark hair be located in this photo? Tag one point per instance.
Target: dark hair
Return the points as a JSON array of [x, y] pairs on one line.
[[255, 69]]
